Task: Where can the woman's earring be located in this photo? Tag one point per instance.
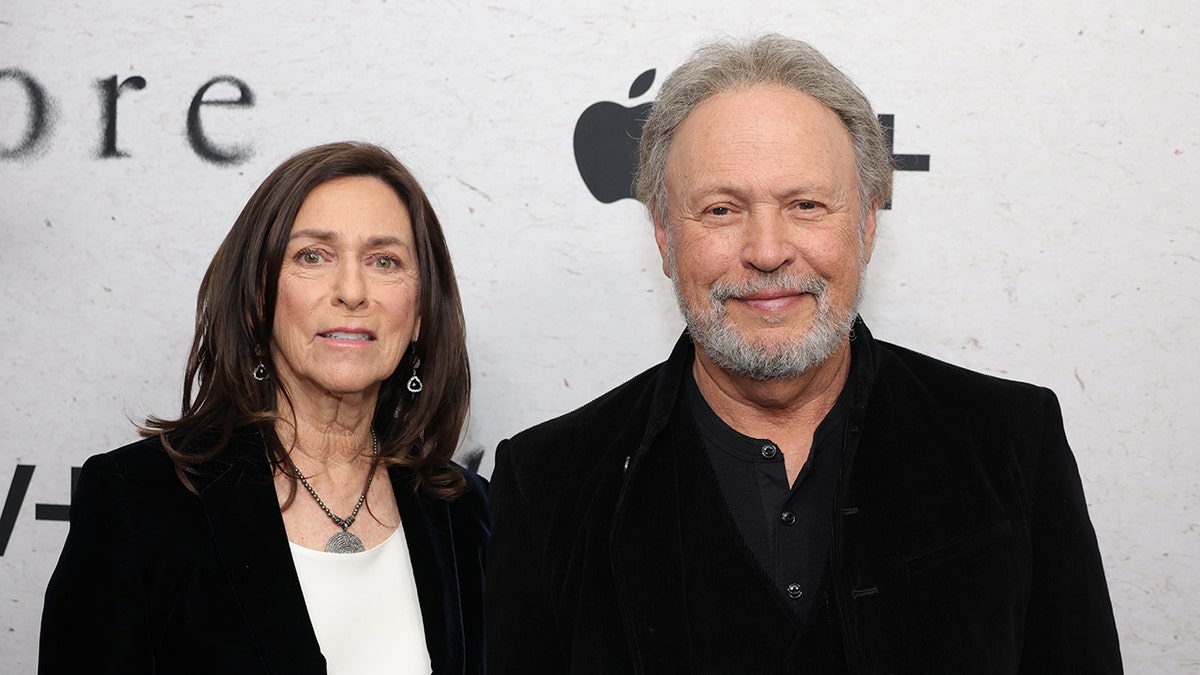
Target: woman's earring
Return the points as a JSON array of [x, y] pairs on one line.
[[414, 383], [260, 371]]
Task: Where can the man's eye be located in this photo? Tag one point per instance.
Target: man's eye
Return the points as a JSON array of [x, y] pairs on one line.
[[806, 205], [719, 210]]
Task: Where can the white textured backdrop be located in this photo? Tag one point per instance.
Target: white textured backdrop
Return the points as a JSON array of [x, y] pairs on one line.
[[1054, 240]]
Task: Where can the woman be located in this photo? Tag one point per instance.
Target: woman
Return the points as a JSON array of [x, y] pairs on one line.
[[303, 508]]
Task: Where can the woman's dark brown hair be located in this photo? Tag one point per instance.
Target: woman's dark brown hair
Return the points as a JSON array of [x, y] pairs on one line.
[[235, 312]]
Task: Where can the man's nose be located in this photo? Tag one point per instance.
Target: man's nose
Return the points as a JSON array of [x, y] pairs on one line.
[[768, 245]]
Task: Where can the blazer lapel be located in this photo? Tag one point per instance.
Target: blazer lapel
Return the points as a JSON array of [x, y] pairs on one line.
[[248, 532], [427, 528], [676, 553], [648, 562]]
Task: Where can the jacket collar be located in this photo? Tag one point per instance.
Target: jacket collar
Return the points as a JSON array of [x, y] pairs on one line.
[[248, 531], [666, 390], [669, 382], [427, 528]]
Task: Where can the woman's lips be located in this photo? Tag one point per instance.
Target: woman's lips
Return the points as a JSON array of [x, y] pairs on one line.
[[362, 336]]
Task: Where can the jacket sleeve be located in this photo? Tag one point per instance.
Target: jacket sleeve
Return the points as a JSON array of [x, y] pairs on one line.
[[94, 618], [1069, 626], [521, 627], [472, 529]]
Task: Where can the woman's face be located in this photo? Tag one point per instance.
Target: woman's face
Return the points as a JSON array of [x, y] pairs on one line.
[[349, 287]]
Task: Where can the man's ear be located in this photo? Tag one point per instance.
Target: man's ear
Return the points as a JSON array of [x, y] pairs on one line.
[[660, 236], [868, 232]]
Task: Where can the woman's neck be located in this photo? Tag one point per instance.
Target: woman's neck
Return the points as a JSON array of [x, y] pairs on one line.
[[332, 432]]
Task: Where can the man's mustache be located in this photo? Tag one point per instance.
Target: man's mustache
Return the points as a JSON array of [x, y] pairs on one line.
[[773, 281]]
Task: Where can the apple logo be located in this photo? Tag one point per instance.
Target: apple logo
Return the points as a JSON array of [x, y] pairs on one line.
[[606, 143]]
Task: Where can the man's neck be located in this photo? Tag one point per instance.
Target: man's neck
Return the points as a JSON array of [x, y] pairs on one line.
[[785, 411]]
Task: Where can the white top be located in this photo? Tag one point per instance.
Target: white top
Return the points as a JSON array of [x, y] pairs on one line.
[[364, 608]]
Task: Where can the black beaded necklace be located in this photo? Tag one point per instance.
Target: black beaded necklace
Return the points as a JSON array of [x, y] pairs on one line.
[[344, 541]]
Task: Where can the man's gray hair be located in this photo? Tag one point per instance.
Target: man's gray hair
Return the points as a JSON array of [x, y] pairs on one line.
[[771, 60]]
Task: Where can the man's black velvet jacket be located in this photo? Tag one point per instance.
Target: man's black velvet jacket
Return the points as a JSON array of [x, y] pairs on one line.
[[154, 579], [961, 540]]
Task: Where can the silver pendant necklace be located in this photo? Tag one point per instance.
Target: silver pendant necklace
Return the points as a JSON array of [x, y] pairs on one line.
[[344, 541]]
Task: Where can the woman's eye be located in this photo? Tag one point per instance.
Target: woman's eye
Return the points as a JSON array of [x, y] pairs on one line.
[[386, 263], [310, 257]]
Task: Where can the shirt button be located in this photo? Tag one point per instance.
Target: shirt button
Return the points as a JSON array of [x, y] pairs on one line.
[[769, 451], [787, 518], [794, 591]]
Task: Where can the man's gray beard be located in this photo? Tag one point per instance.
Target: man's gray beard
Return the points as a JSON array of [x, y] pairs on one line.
[[716, 334]]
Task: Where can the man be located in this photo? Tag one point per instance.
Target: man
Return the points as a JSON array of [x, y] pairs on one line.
[[785, 493]]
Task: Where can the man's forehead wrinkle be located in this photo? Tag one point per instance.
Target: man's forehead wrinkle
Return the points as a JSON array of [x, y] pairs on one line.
[[755, 172]]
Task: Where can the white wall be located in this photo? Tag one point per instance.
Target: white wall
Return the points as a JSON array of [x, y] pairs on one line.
[[1054, 240]]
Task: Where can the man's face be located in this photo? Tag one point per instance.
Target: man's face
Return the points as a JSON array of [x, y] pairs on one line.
[[766, 243]]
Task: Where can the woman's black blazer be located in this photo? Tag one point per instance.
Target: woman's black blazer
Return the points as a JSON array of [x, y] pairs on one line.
[[154, 579]]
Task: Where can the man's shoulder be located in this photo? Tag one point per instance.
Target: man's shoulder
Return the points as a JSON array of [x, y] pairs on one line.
[[614, 421], [923, 374], [631, 399]]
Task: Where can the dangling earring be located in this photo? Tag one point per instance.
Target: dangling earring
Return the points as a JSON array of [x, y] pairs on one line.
[[414, 383], [260, 371]]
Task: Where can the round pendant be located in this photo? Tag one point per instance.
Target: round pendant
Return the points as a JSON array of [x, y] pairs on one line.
[[344, 542]]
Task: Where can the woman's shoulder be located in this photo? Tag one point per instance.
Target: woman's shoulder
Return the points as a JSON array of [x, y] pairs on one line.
[[128, 480], [148, 461], [474, 480], [471, 525], [469, 510], [138, 474], [144, 458]]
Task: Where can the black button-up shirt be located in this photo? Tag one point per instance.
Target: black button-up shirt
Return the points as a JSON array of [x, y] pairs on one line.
[[788, 527]]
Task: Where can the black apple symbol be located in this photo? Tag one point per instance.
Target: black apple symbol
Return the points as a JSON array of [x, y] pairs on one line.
[[606, 143]]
